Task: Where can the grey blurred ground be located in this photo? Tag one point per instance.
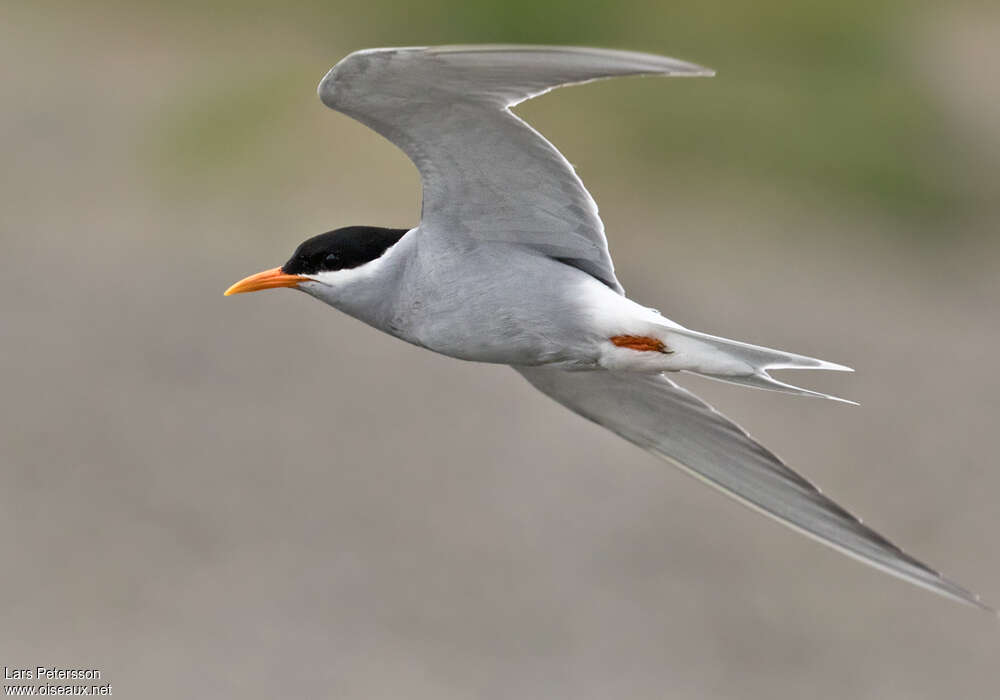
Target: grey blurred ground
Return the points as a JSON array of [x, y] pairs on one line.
[[258, 497]]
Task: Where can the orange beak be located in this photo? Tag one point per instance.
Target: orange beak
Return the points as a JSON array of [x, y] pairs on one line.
[[268, 279]]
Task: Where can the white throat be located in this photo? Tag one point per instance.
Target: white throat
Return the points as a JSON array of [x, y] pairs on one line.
[[367, 292]]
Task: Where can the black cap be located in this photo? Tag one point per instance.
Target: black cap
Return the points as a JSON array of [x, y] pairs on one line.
[[341, 249]]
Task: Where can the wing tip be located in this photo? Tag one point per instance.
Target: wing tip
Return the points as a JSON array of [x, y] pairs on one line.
[[656, 64], [695, 72], [962, 595], [676, 68]]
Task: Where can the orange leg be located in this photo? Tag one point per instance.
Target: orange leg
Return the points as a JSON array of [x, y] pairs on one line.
[[641, 343]]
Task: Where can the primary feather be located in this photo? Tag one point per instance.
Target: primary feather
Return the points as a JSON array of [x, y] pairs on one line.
[[485, 173], [661, 417]]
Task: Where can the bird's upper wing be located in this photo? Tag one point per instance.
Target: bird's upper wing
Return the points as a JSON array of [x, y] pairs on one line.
[[661, 417], [486, 173]]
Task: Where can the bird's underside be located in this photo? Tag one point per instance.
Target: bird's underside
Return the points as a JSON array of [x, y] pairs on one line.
[[510, 264]]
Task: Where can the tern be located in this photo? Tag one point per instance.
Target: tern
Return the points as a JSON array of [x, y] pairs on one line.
[[509, 264]]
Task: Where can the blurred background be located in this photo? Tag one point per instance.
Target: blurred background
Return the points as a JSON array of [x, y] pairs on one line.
[[258, 496]]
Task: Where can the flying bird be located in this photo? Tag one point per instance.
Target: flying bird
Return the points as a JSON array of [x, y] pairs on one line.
[[509, 264]]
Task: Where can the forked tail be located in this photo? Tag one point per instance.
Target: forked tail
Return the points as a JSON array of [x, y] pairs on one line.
[[741, 363]]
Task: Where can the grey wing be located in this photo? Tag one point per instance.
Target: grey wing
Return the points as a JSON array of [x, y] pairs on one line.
[[485, 173], [661, 417]]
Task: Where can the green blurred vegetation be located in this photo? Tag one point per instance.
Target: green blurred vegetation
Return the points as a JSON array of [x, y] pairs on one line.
[[221, 126], [825, 96]]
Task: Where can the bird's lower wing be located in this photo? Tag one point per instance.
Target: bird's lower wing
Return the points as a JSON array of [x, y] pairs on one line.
[[667, 420]]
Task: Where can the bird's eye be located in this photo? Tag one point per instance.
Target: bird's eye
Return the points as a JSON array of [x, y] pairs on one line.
[[331, 259]]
